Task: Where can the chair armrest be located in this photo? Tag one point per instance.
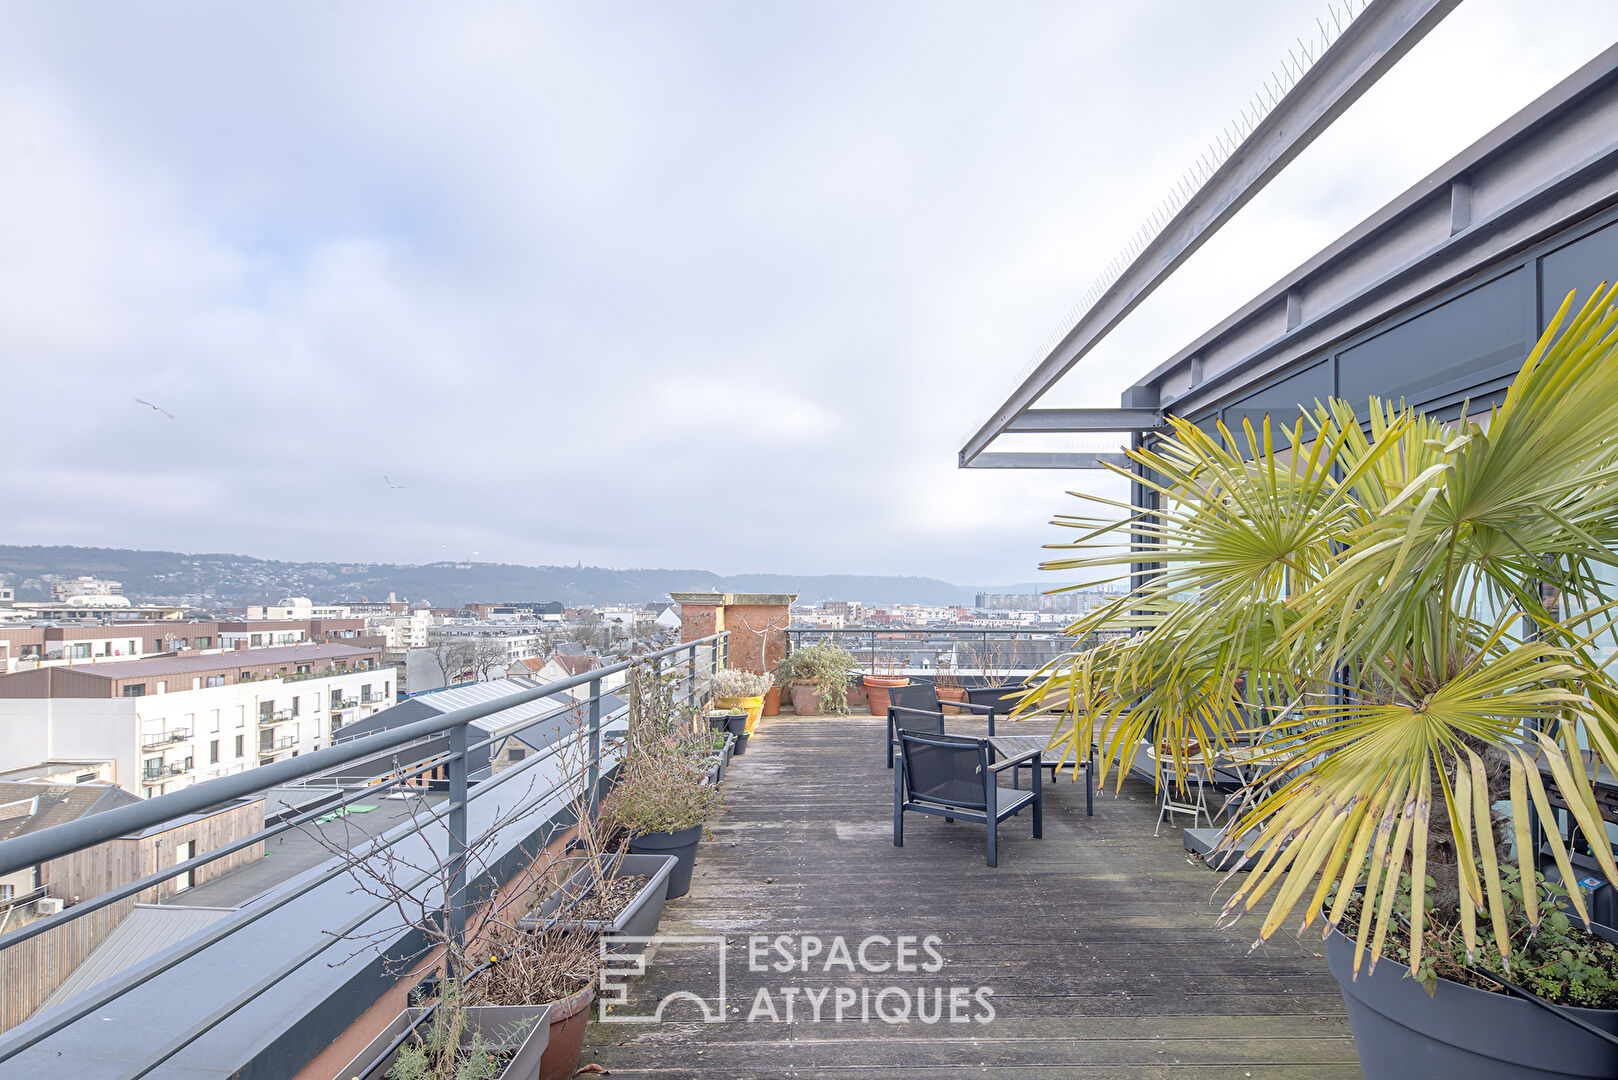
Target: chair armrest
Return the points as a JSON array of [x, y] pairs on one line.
[[1020, 759]]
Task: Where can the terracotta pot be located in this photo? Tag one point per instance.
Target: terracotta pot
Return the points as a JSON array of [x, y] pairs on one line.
[[947, 694], [876, 690], [772, 701], [805, 700], [568, 1018]]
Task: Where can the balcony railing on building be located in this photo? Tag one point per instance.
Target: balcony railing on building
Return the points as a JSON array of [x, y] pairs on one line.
[[167, 771], [164, 738]]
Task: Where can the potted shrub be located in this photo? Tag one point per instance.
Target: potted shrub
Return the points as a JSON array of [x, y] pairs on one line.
[[733, 721], [1410, 609], [625, 897], [662, 800], [949, 688], [883, 676], [817, 678], [495, 972], [733, 688], [449, 1040]]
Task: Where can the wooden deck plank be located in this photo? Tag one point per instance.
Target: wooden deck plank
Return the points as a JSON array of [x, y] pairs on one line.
[[1099, 941]]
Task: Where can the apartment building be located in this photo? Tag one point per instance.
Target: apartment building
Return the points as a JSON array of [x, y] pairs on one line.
[[85, 589], [297, 607], [173, 721], [36, 645]]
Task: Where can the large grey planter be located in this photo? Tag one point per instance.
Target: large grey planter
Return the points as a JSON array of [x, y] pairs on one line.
[[682, 845], [491, 1021], [1402, 1034], [640, 916]]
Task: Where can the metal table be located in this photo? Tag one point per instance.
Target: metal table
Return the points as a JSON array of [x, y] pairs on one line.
[[1017, 750]]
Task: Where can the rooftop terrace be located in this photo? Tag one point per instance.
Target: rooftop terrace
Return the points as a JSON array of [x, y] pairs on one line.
[[1099, 941]]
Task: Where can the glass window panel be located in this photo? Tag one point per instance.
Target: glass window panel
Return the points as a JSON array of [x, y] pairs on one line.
[[1476, 336], [1580, 267], [1282, 402]]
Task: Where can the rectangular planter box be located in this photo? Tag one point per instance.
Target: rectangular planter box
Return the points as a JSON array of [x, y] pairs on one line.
[[638, 919], [491, 1021]]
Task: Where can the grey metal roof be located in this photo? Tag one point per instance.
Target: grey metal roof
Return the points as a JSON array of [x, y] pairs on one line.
[[148, 930], [179, 665], [33, 806]]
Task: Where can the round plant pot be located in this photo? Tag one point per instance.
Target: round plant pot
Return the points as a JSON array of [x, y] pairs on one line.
[[806, 699], [741, 744], [948, 694], [1400, 1032], [752, 706], [682, 845], [772, 701], [568, 1017], [876, 690]]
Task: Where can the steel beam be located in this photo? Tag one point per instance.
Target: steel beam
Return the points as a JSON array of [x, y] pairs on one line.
[[1046, 461], [1082, 420], [1368, 47]]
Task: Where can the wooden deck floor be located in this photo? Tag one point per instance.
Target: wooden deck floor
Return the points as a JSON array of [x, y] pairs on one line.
[[1099, 942]]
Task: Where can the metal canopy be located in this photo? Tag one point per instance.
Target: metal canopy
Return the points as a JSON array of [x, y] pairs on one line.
[[1082, 420], [1368, 47], [1049, 461]]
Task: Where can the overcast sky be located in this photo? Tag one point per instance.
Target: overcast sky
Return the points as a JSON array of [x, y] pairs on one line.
[[660, 284]]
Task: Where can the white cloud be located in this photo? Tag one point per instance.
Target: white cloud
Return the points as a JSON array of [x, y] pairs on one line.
[[562, 249]]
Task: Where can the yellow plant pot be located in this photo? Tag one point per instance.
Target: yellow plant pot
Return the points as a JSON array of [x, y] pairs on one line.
[[753, 705]]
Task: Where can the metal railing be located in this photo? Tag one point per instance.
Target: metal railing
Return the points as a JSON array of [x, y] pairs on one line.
[[303, 676], [164, 738], [679, 663], [338, 704], [164, 772], [943, 650]]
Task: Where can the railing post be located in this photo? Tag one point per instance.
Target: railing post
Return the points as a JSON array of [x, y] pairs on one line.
[[455, 900], [594, 771]]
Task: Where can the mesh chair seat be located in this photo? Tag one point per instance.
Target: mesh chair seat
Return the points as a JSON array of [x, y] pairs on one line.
[[950, 776]]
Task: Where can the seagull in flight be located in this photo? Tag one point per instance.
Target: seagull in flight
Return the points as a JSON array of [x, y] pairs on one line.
[[149, 405], [391, 484]]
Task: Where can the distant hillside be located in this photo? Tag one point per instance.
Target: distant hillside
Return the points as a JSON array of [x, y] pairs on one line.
[[235, 580]]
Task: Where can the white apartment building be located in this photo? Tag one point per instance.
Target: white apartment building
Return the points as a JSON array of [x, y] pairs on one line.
[[171, 722], [400, 633], [85, 589], [921, 613], [297, 607], [627, 622]]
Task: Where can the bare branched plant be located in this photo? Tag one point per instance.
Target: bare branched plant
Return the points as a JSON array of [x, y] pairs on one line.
[[515, 958]]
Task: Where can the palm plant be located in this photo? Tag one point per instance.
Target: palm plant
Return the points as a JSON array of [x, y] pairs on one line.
[[1404, 614]]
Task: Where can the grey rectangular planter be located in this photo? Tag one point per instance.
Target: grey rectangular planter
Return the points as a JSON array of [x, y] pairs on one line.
[[638, 919], [491, 1021]]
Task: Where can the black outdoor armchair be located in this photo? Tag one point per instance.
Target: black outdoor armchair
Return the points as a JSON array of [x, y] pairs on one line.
[[917, 708], [951, 776], [1000, 699]]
